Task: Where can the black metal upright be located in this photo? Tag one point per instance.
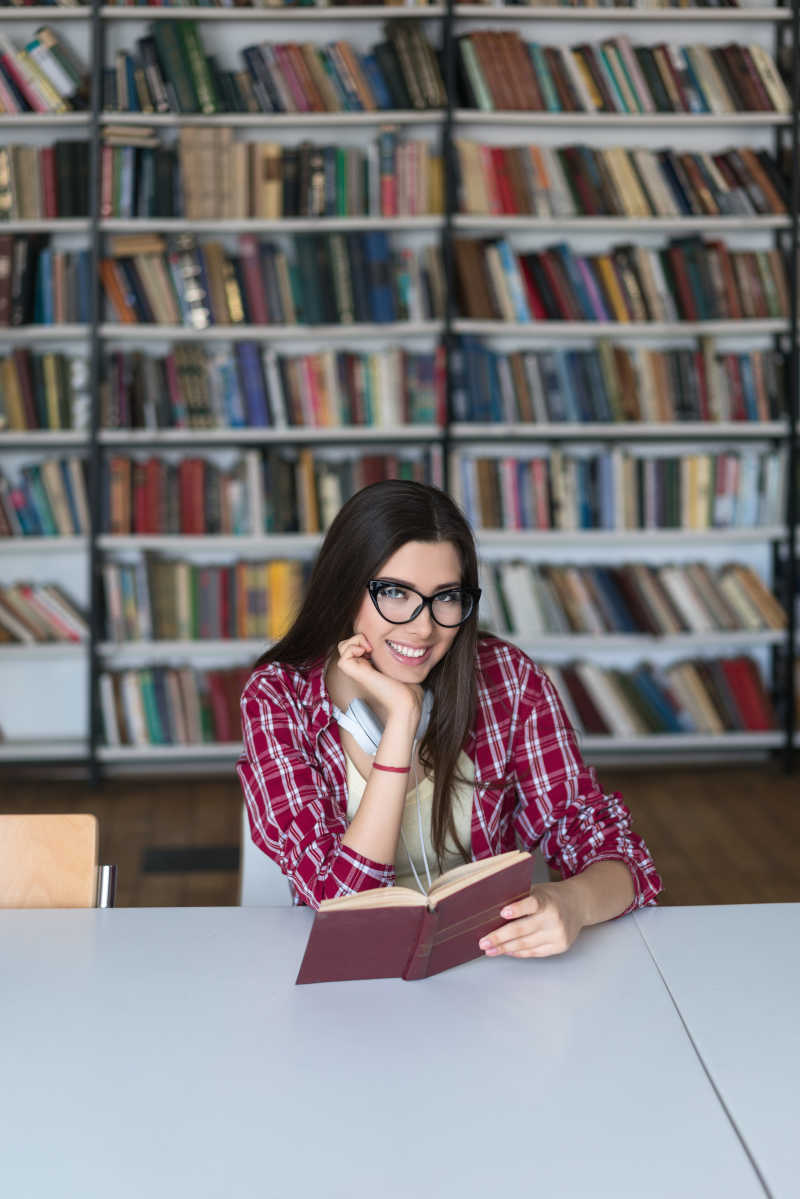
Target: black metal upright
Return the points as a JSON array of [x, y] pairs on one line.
[[450, 207], [95, 363], [792, 413]]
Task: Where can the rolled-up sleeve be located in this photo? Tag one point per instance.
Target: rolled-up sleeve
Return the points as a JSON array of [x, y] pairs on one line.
[[294, 816], [560, 803]]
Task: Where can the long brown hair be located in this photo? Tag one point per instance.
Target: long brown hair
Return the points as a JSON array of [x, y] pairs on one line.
[[370, 527]]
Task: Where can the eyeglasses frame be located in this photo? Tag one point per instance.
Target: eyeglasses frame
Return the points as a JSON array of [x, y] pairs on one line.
[[425, 601]]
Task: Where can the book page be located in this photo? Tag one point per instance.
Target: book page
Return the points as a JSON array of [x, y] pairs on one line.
[[470, 872], [379, 897]]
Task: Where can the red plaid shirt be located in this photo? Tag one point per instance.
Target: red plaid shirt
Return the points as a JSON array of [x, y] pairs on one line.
[[531, 785]]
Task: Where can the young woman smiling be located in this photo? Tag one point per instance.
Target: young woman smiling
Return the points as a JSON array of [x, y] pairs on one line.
[[387, 737]]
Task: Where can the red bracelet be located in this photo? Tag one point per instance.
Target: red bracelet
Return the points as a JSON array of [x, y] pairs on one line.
[[392, 769]]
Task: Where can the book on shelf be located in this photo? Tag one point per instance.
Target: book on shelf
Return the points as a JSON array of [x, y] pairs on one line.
[[277, 491], [695, 695], [40, 285], [44, 182], [42, 391], [582, 180], [586, 487], [397, 932], [39, 612], [48, 498], [251, 386], [527, 600], [690, 279], [171, 71], [44, 76], [171, 705], [162, 599], [500, 71], [614, 383], [330, 278]]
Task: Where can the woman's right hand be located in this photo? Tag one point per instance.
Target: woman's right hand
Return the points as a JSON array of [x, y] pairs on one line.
[[394, 696]]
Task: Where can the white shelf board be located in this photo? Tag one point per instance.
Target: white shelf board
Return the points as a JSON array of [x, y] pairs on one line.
[[42, 650], [166, 753], [638, 430], [44, 749], [542, 538], [532, 12], [53, 225], [367, 12], [153, 650], [359, 433], [25, 120], [618, 224], [46, 12], [35, 439], [593, 742], [42, 545], [579, 643], [392, 330], [563, 329], [290, 120], [32, 334], [289, 224], [641, 120], [270, 544]]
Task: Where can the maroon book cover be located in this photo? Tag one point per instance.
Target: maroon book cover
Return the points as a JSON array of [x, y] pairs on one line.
[[411, 941]]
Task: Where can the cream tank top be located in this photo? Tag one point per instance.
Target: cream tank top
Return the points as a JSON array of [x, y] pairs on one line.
[[415, 841]]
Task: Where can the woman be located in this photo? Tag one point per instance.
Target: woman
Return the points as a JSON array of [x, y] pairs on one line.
[[386, 736]]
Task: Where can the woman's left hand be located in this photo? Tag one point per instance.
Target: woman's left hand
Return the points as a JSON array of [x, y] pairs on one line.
[[545, 923]]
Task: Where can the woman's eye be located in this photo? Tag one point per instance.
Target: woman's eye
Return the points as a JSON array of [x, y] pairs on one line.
[[393, 593], [449, 597]]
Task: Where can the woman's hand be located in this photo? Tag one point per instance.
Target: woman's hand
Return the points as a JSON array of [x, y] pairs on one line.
[[545, 923], [392, 695]]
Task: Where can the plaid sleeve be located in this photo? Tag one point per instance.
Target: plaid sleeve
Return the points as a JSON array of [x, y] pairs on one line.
[[560, 800], [293, 815]]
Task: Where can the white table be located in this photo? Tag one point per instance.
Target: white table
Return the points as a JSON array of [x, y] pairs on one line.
[[734, 974], [167, 1052]]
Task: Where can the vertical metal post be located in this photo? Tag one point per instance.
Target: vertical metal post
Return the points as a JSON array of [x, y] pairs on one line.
[[95, 363], [794, 364], [450, 205]]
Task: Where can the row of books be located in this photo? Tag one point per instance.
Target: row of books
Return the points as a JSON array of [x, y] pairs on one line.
[[44, 182], [42, 391], [527, 600], [46, 499], [610, 383], [582, 180], [196, 387], [621, 488], [163, 705], [38, 612], [331, 278], [412, 3], [158, 598], [43, 76], [277, 491], [501, 71], [691, 279], [171, 71], [40, 285], [698, 695]]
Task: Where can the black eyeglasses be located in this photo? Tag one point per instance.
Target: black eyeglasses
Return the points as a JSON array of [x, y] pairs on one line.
[[400, 604]]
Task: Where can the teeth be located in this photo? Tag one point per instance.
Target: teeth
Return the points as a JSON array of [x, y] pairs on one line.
[[406, 652]]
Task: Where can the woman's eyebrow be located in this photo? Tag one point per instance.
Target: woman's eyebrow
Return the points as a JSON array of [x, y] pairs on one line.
[[413, 586]]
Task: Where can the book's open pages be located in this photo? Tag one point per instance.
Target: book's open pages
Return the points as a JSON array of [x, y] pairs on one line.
[[448, 883]]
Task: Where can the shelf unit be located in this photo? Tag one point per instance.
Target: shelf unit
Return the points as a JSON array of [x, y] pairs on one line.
[[446, 124]]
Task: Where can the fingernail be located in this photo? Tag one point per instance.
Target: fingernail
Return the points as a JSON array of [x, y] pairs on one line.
[[484, 944], [506, 912]]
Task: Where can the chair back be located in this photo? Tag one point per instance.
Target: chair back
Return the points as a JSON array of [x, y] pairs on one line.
[[48, 861], [262, 884]]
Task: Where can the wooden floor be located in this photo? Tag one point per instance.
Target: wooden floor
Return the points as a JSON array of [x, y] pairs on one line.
[[718, 835]]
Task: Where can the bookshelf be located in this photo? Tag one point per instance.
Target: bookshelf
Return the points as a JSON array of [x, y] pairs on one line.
[[101, 32]]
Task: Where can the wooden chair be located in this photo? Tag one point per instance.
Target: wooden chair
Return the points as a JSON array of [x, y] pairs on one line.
[[50, 861]]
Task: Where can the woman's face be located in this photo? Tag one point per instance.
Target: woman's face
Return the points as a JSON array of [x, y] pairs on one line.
[[410, 651]]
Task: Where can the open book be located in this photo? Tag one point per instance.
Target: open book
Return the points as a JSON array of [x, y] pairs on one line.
[[396, 932]]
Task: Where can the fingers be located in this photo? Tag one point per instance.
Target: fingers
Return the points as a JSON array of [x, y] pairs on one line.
[[353, 648]]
